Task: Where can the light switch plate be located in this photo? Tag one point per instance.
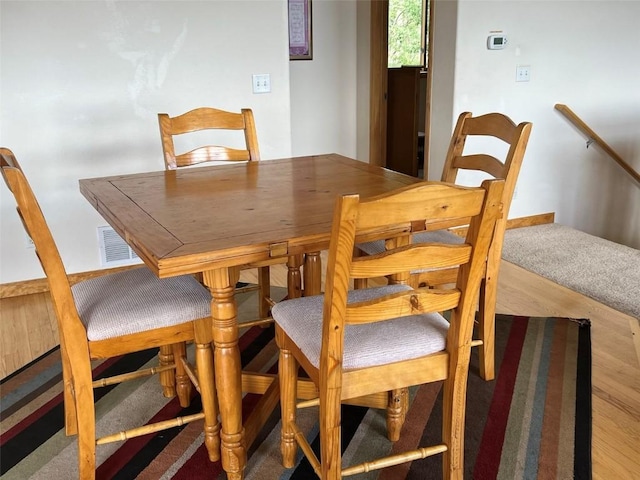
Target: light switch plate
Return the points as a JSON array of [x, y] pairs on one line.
[[262, 83], [523, 73]]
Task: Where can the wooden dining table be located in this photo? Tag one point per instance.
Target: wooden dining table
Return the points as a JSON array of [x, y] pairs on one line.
[[215, 220]]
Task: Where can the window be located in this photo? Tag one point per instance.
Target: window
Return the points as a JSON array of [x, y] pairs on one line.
[[408, 33]]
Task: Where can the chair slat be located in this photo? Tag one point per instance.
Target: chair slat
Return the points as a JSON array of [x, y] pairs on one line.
[[206, 118], [431, 200], [481, 161], [410, 257], [491, 124], [412, 302], [211, 153]]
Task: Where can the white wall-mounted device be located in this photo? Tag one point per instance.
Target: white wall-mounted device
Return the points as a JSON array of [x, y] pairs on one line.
[[496, 42]]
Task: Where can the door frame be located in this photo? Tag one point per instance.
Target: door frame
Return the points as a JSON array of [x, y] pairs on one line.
[[379, 84]]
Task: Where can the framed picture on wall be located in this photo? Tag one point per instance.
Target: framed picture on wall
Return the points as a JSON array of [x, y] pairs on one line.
[[300, 45]]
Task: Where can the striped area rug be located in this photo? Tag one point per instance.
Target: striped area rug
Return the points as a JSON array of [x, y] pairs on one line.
[[533, 421]]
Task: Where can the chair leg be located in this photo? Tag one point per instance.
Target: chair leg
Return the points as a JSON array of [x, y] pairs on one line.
[[70, 414], [167, 377], [487, 324], [86, 420], [70, 418], [204, 360], [86, 448], [183, 383], [454, 394], [396, 412], [330, 451], [264, 284], [287, 373]]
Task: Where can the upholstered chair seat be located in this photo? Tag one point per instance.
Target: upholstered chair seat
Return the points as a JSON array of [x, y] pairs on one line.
[[136, 301], [366, 345]]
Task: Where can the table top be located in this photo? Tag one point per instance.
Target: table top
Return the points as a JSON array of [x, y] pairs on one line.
[[196, 219]]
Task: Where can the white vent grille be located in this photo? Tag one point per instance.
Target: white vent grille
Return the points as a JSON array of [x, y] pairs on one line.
[[114, 251]]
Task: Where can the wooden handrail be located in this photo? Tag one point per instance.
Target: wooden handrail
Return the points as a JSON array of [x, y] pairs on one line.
[[593, 137]]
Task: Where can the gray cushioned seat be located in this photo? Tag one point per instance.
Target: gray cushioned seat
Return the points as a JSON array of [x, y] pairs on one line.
[[364, 345], [136, 300]]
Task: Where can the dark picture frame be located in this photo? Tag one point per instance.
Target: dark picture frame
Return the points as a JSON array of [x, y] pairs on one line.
[[300, 41]]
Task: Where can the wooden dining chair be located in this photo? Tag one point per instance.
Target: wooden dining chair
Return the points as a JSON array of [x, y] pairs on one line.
[[352, 344], [514, 138], [221, 122], [115, 314]]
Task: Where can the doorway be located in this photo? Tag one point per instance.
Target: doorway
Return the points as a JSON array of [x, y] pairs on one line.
[[379, 85]]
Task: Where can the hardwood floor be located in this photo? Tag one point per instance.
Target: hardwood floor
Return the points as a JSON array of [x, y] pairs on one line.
[[28, 331], [615, 346]]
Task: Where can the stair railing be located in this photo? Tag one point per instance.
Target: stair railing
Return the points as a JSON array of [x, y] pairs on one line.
[[593, 137]]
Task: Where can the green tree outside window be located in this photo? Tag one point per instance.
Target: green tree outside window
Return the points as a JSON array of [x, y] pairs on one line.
[[406, 33]]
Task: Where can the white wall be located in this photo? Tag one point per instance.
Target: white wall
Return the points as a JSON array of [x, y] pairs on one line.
[[443, 79], [582, 54], [363, 62], [324, 90], [82, 83]]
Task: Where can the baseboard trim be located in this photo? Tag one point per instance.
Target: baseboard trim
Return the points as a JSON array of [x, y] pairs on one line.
[[40, 285], [519, 222], [531, 220]]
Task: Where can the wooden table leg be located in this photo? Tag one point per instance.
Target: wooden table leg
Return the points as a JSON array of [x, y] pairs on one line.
[[312, 274], [228, 370]]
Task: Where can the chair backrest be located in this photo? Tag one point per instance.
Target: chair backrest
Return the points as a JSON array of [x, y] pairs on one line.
[[72, 332], [404, 212], [208, 119], [494, 125]]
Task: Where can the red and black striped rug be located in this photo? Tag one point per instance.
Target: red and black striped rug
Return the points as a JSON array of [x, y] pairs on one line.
[[533, 421]]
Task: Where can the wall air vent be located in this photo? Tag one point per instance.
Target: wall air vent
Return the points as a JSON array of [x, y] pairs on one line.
[[114, 251]]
